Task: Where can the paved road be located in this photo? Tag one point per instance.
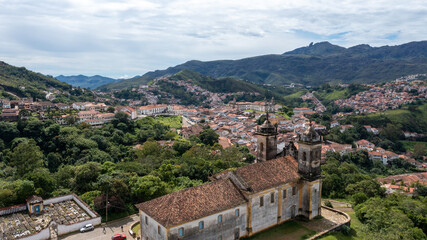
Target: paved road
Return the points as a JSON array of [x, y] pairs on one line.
[[111, 228]]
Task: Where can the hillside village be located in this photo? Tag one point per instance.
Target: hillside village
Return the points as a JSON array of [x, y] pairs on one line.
[[237, 123]]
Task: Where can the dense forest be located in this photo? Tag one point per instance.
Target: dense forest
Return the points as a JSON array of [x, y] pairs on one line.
[[47, 159]]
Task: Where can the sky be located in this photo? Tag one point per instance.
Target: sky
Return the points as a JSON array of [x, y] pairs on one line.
[[131, 37]]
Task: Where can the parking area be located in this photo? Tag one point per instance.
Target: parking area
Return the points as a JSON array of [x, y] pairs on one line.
[[111, 228]]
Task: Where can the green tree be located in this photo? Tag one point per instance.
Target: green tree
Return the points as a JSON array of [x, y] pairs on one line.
[[42, 180], [419, 150], [8, 131], [86, 175], [181, 146], [147, 187], [26, 157], [209, 137]]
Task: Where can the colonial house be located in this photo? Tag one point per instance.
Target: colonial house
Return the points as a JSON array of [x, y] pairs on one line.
[[80, 105], [128, 110], [154, 109], [87, 115], [298, 111], [9, 115], [334, 123], [263, 106], [245, 201], [365, 145]]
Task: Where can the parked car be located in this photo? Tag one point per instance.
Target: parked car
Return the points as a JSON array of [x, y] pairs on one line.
[[87, 227], [118, 237]]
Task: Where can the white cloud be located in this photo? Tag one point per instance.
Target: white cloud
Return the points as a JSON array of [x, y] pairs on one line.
[[129, 37]]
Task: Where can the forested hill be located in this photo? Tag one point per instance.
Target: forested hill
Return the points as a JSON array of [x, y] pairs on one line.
[[23, 83], [85, 81], [313, 65]]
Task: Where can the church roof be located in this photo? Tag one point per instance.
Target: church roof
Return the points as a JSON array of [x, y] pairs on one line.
[[264, 175], [222, 194], [193, 203]]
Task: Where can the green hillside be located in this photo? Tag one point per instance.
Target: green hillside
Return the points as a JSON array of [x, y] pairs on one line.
[[282, 95], [23, 83], [412, 118], [313, 65]]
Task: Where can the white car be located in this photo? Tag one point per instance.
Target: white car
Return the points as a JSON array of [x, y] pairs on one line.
[[87, 227]]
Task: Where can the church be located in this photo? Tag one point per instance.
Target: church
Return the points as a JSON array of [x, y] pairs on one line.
[[244, 201]]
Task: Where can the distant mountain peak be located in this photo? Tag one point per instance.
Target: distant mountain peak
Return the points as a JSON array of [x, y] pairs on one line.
[[320, 48], [85, 81]]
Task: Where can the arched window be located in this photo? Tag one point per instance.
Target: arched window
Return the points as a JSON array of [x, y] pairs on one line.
[[261, 147], [304, 156]]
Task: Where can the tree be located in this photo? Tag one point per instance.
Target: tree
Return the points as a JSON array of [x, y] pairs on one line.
[[86, 175], [8, 131], [23, 189], [209, 137], [110, 109], [181, 146], [147, 187], [26, 157], [419, 150], [54, 160], [42, 180]]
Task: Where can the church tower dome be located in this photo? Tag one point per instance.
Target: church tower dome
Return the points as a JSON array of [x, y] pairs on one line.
[[266, 135], [309, 153]]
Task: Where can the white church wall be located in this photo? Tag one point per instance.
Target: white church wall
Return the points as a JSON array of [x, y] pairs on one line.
[[264, 216], [212, 229]]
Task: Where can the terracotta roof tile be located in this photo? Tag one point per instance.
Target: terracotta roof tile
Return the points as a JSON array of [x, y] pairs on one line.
[[264, 175], [193, 203]]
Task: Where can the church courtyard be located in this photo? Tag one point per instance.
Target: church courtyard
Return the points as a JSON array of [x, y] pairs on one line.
[[297, 229]]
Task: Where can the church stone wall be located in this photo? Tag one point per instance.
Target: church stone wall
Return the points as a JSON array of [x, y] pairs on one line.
[[265, 216], [212, 229], [305, 200], [316, 198], [150, 230], [291, 201]]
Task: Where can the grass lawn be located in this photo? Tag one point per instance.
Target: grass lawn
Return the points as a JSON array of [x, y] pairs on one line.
[[294, 95], [136, 229], [287, 230], [171, 121], [409, 145], [334, 95]]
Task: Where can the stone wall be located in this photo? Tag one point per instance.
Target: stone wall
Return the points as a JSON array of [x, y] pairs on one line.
[[13, 209], [42, 235], [212, 229], [334, 228], [264, 216], [149, 228]]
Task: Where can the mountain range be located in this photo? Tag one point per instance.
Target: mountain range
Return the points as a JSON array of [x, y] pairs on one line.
[[311, 65], [85, 81]]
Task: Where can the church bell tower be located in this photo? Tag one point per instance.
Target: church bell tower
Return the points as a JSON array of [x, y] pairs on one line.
[[309, 154], [266, 135]]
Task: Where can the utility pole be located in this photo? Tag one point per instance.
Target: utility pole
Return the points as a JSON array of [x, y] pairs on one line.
[[106, 208]]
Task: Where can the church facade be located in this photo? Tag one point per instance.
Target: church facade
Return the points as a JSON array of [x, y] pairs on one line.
[[241, 202]]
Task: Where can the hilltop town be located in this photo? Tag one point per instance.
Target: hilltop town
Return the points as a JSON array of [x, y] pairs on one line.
[[175, 140]]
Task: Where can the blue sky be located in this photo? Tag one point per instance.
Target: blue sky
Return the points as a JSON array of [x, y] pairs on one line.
[[123, 38]]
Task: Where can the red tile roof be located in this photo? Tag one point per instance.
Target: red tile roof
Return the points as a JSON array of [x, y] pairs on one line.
[[264, 175], [193, 203]]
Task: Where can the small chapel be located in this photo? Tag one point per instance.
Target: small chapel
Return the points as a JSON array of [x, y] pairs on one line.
[[242, 202]]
